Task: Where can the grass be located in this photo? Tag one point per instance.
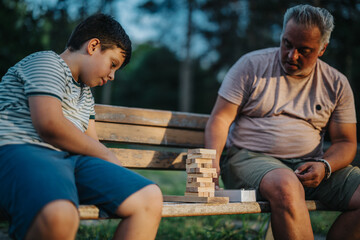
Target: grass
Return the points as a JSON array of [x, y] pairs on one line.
[[245, 226]]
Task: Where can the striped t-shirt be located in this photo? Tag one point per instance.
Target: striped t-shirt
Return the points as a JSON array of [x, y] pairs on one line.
[[41, 73]]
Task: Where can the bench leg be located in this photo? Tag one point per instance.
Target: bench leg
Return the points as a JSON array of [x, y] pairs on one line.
[[269, 235]]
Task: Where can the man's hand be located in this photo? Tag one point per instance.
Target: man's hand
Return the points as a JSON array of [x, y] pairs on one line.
[[311, 174]]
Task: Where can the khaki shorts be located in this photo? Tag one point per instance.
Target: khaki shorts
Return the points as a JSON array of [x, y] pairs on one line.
[[245, 169]]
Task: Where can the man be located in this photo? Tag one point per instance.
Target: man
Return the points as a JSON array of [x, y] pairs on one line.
[[280, 101]]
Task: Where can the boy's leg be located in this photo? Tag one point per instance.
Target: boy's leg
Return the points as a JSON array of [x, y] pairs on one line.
[[141, 214], [52, 221], [121, 192], [33, 180]]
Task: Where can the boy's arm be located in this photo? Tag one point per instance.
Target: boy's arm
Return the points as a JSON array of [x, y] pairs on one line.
[[91, 130], [55, 129]]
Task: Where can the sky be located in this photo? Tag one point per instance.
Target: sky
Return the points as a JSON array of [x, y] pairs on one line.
[[123, 10], [169, 30]]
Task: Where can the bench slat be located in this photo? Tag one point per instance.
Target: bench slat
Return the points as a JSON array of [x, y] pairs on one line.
[[113, 132], [150, 117], [150, 159], [171, 209]]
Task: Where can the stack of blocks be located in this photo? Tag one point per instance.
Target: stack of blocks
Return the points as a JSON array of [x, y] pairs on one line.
[[200, 173]]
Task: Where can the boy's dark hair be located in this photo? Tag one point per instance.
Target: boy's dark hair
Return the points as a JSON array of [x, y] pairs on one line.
[[106, 29]]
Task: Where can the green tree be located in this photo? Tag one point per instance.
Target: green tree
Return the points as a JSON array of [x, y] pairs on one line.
[[19, 33], [149, 81]]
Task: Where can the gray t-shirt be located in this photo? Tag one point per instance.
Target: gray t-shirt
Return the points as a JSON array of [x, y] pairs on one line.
[[282, 116], [41, 73]]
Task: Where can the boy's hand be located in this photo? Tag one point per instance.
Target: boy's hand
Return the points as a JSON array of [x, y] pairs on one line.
[[111, 157]]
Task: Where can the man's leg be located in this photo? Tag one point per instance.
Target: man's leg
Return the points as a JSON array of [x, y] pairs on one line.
[[289, 215], [57, 220], [347, 225], [141, 214]]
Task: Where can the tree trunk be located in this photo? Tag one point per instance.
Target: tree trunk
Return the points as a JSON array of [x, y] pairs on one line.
[[185, 76]]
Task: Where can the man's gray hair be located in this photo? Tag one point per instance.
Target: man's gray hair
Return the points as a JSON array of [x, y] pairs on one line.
[[310, 16]]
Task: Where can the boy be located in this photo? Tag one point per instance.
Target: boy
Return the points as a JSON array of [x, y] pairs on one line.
[[50, 156]]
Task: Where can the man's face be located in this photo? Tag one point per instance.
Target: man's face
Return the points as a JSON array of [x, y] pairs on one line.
[[299, 49]]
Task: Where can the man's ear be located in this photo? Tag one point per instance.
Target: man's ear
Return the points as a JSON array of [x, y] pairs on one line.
[[323, 50], [92, 45]]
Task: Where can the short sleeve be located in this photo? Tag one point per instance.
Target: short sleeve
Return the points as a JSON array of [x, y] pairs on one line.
[[235, 87], [344, 111], [43, 74]]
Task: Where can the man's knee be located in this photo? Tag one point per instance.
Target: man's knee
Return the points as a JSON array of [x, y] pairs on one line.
[[148, 199], [281, 186]]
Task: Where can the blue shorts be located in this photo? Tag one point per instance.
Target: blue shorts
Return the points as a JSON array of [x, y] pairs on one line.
[[32, 176]]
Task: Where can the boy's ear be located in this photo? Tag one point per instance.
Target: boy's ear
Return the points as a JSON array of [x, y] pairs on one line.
[[92, 45]]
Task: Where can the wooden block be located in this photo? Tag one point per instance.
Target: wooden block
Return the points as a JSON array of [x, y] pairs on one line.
[[195, 194], [237, 195], [200, 184], [196, 199], [202, 150], [200, 189], [201, 170], [199, 179], [200, 194], [202, 175], [199, 160], [199, 165], [201, 155]]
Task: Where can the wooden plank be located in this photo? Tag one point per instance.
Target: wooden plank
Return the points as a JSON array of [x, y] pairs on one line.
[[150, 117], [218, 200], [88, 212], [137, 158], [173, 209], [177, 209], [202, 151], [125, 133], [205, 209]]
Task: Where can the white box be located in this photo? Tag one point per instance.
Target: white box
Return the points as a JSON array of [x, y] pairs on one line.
[[237, 195]]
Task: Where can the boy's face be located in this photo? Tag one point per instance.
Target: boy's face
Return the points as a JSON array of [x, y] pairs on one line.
[[100, 66]]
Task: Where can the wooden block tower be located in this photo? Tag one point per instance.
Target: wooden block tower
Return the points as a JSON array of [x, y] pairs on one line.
[[200, 173], [200, 187]]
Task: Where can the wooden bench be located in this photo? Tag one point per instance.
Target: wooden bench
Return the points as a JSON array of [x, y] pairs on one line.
[[155, 139]]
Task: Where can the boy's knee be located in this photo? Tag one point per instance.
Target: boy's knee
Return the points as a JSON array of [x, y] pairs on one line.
[[53, 219], [147, 200], [59, 213]]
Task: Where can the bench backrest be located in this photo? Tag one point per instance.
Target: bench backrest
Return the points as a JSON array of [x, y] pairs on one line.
[[144, 138]]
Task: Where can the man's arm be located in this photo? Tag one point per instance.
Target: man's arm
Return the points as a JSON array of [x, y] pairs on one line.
[[216, 131], [55, 129], [343, 145], [339, 155]]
